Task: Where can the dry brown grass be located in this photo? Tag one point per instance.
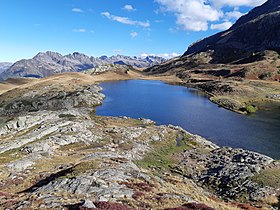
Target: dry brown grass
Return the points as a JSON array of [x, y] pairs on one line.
[[271, 200], [154, 197], [68, 81]]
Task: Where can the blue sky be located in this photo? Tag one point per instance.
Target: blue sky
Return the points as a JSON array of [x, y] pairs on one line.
[[108, 27]]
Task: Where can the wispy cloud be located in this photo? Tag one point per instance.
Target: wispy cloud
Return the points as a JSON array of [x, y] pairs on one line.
[[80, 30], [129, 8], [163, 55], [126, 20], [78, 10], [158, 21], [133, 34], [117, 51]]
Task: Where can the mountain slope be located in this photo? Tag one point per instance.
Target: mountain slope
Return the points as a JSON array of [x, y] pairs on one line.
[[257, 31], [48, 63]]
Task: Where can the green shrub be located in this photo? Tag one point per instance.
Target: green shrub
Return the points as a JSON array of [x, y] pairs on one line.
[[251, 109]]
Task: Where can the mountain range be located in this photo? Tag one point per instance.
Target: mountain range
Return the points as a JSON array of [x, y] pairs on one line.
[[48, 63]]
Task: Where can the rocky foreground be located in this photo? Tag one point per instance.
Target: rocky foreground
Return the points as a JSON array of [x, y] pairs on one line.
[[55, 153]]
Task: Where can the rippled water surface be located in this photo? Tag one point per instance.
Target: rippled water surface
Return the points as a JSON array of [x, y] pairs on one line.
[[191, 109]]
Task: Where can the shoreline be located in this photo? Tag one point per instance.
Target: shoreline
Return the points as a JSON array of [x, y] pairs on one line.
[[235, 101], [173, 80]]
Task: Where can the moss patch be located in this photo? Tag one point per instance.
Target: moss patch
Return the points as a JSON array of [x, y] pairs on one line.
[[250, 109], [164, 154], [10, 155], [83, 167]]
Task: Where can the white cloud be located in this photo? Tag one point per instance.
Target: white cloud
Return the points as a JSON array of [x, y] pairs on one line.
[[80, 30], [126, 20], [196, 15], [233, 15], [164, 55], [133, 34], [192, 15], [77, 10], [221, 26], [237, 3], [129, 8]]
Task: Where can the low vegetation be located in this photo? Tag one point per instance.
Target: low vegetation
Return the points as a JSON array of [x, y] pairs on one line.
[[268, 177], [250, 109], [10, 155], [83, 167], [163, 154]]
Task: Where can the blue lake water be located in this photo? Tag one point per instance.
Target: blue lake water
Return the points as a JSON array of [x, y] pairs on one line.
[[191, 109]]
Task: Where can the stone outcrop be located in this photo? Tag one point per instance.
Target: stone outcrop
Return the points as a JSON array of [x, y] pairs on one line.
[[53, 100], [228, 171]]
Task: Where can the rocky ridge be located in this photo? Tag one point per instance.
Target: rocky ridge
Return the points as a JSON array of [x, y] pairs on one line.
[[66, 157], [49, 63], [237, 42]]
